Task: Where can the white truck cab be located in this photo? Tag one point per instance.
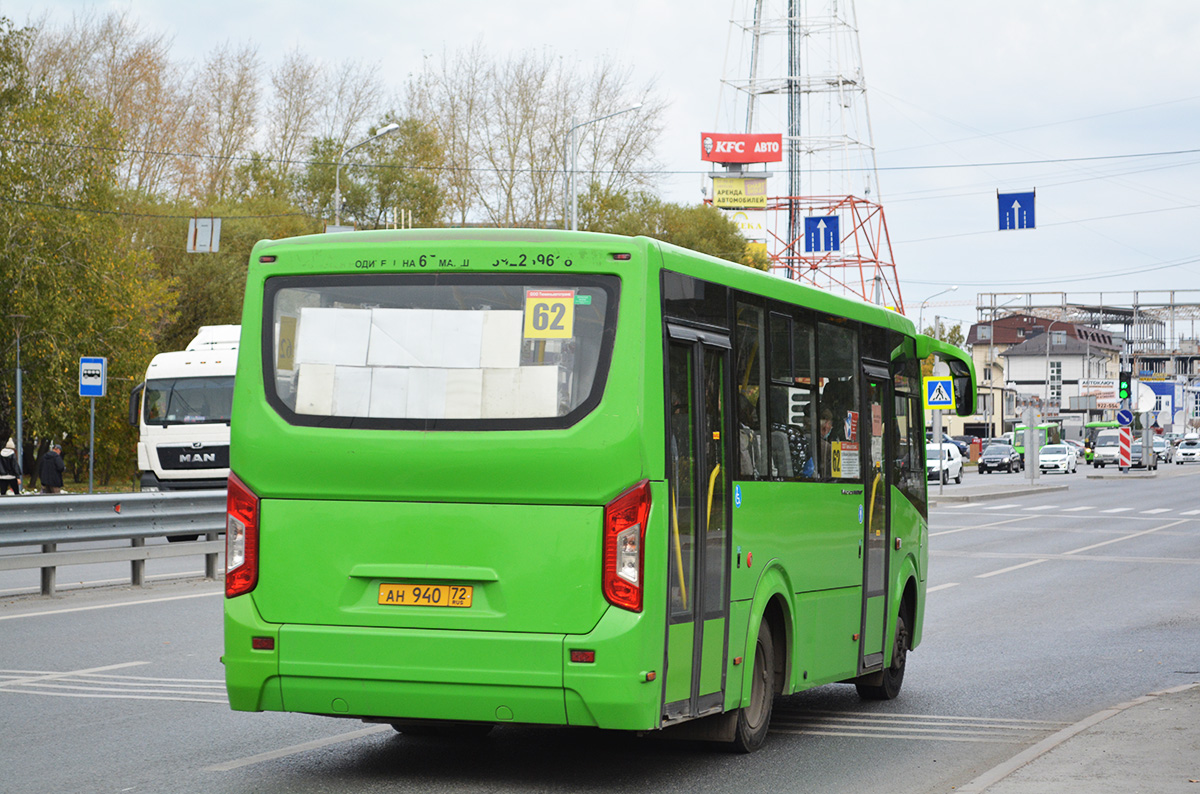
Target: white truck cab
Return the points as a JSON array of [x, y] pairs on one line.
[[182, 413]]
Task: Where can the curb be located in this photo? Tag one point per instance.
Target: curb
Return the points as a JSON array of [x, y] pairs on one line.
[[980, 497], [1027, 756]]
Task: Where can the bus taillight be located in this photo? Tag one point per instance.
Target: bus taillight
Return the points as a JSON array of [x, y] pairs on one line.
[[624, 541], [241, 539]]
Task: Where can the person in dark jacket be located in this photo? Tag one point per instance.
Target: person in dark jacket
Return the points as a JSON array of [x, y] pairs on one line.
[[10, 469], [50, 470]]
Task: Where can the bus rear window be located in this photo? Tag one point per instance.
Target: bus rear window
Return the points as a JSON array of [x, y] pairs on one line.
[[438, 352]]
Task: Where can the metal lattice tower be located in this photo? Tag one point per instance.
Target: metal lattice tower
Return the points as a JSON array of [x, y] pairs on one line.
[[795, 66]]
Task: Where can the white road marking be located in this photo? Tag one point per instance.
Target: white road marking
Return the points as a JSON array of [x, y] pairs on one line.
[[1118, 510], [1041, 507], [93, 683], [283, 752], [1011, 568], [989, 525], [946, 586], [41, 677], [1078, 509], [1001, 507], [1156, 510], [110, 606], [1123, 537], [907, 727], [1191, 513]]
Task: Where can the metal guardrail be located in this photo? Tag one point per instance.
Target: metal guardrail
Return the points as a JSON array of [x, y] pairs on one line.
[[49, 520]]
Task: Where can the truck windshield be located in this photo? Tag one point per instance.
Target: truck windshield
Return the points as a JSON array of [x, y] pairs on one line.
[[456, 351], [179, 401]]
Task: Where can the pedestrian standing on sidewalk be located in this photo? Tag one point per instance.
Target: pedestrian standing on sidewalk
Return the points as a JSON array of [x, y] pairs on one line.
[[50, 470], [10, 469]]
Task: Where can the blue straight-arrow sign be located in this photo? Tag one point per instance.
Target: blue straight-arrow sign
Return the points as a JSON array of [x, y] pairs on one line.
[[1016, 210], [821, 234]]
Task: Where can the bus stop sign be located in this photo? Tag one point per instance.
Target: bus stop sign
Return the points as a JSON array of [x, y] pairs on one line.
[[93, 377]]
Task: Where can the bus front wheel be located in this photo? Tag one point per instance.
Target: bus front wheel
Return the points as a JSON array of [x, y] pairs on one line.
[[886, 685], [754, 719]]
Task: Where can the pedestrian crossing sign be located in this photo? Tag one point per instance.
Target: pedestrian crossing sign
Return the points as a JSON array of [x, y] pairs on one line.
[[939, 393]]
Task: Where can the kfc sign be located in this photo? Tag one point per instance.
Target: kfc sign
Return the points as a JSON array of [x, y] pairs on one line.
[[719, 147]]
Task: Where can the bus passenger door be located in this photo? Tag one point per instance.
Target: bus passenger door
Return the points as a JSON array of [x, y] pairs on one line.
[[698, 532], [877, 395]]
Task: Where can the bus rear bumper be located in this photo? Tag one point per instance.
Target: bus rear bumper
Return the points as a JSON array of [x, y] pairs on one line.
[[444, 675]]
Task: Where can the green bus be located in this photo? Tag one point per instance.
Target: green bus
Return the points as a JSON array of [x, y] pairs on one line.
[[1090, 431], [541, 477], [1046, 433]]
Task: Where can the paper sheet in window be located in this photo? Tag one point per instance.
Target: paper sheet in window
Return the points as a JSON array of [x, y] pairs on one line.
[[401, 338], [333, 336]]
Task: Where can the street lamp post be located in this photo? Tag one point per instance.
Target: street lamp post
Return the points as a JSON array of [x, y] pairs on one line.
[[572, 198], [337, 176], [921, 313], [991, 367]]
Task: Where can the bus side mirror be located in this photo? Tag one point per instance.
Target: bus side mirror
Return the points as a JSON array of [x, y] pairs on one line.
[[135, 404]]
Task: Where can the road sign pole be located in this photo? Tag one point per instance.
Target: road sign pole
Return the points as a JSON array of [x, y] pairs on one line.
[[937, 443], [91, 443]]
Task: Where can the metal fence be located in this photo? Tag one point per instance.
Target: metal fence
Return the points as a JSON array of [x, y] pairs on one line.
[[48, 521]]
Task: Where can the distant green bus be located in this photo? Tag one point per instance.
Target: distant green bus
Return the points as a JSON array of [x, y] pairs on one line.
[[1090, 431], [1047, 433], [511, 476]]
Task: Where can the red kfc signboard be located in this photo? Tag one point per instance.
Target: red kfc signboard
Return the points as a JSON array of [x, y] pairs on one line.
[[721, 147]]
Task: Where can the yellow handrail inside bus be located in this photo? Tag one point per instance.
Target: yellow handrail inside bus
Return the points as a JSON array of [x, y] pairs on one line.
[[712, 478], [678, 549], [871, 507]]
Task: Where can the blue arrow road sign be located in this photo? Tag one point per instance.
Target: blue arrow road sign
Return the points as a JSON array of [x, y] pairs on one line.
[[1016, 210], [1124, 418], [821, 234]]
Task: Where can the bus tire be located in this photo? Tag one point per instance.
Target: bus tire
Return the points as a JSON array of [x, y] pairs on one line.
[[892, 677], [754, 718]]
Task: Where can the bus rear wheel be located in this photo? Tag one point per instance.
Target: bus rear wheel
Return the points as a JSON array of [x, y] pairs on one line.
[[886, 684], [755, 718]]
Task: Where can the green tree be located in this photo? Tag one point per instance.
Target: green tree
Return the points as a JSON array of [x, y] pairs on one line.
[[400, 171], [68, 269], [699, 227], [207, 289]]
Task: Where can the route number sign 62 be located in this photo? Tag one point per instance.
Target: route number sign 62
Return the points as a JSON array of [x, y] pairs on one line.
[[549, 313]]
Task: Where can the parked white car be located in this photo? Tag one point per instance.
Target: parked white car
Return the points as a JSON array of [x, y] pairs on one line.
[[1058, 457], [945, 463]]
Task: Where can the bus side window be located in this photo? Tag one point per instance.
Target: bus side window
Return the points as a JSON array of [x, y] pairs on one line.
[[838, 426], [751, 405], [790, 401]]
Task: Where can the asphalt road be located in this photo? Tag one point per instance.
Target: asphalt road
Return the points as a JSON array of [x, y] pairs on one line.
[[1042, 610]]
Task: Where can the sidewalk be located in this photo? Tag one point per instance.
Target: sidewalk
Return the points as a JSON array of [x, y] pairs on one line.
[[1151, 744], [978, 487]]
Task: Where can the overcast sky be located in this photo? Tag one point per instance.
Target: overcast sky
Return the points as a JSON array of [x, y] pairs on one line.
[[958, 91]]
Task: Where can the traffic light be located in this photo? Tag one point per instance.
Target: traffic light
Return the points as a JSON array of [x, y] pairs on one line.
[[1125, 386]]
